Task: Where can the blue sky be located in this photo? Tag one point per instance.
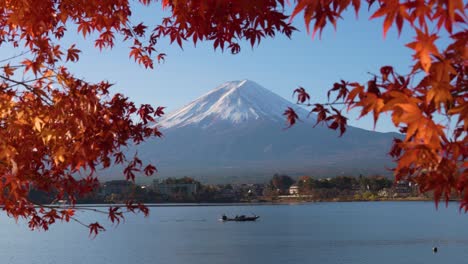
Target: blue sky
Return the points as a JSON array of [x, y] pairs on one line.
[[279, 64]]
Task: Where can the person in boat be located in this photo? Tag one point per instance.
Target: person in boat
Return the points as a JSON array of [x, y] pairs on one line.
[[241, 217]]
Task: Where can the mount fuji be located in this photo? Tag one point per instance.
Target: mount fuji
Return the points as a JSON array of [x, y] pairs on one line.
[[237, 133], [234, 103]]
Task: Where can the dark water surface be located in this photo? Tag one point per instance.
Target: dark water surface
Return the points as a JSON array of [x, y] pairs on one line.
[[324, 233]]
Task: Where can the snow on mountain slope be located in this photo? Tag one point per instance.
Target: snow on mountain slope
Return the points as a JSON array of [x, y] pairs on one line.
[[234, 102]]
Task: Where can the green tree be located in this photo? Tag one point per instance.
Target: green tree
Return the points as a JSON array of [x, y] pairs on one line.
[[281, 182]]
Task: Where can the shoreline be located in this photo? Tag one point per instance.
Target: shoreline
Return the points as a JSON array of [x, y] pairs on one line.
[[283, 202]]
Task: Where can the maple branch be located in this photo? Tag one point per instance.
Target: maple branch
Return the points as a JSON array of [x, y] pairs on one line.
[[43, 97], [130, 26], [78, 221], [71, 207], [82, 208], [24, 82], [15, 56]]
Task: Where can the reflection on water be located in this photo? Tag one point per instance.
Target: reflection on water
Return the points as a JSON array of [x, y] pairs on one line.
[[328, 233], [400, 242], [180, 220]]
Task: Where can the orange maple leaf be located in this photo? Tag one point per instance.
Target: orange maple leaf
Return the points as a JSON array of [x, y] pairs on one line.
[[424, 47]]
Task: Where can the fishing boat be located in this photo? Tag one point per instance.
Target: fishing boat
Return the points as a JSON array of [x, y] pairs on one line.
[[239, 218]]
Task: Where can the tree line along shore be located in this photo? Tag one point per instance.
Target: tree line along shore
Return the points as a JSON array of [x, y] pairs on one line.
[[279, 189]]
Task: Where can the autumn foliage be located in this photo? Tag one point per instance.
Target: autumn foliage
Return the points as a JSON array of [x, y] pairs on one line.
[[58, 130], [433, 153]]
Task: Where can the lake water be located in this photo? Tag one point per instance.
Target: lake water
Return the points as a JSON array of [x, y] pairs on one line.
[[359, 232]]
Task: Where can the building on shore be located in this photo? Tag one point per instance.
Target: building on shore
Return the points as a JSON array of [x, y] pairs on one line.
[[171, 189], [117, 187], [294, 189], [402, 189]]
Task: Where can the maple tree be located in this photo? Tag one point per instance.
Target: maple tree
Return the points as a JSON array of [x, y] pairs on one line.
[[57, 129], [432, 153]]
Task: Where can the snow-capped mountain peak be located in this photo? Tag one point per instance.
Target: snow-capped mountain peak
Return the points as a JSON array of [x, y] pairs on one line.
[[235, 102]]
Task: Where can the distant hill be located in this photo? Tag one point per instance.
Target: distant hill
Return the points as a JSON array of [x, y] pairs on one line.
[[236, 133]]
